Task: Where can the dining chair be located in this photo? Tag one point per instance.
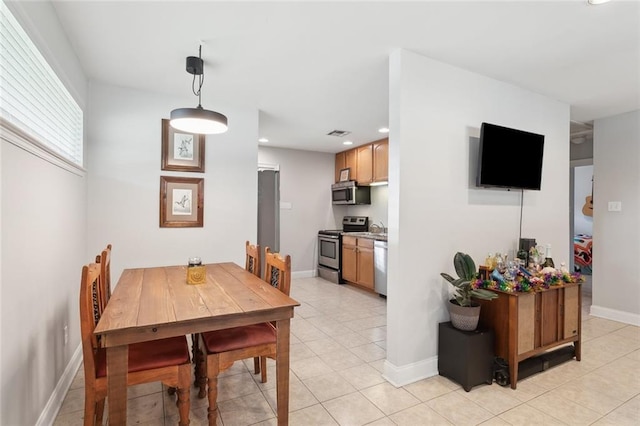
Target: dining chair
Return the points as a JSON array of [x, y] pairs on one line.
[[221, 348], [277, 273], [165, 360], [104, 259], [252, 264]]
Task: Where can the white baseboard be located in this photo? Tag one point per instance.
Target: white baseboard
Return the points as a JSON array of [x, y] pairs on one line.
[[305, 274], [615, 315], [401, 376], [48, 415]]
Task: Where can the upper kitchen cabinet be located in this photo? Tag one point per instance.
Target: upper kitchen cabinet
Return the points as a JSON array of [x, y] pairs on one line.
[[341, 163], [381, 160], [369, 163], [364, 164], [344, 160]]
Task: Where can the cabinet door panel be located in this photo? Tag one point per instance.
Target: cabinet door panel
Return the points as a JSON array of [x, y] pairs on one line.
[[549, 315], [341, 163], [365, 164], [571, 311], [365, 267], [381, 160], [349, 263], [526, 322], [351, 161]]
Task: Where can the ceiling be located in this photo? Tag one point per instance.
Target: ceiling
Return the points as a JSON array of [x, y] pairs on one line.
[[313, 67]]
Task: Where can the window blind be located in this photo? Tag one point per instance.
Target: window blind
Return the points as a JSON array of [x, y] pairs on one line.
[[32, 97]]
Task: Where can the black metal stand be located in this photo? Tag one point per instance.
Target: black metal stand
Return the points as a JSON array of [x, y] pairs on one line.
[[465, 357], [543, 362]]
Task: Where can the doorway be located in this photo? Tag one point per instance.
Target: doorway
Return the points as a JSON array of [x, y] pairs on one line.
[[581, 219], [268, 209]]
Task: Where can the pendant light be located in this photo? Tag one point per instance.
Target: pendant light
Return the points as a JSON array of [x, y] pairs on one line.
[[197, 120]]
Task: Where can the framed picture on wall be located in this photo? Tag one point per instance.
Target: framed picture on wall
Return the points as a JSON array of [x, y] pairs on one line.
[[181, 202], [345, 174], [181, 151]]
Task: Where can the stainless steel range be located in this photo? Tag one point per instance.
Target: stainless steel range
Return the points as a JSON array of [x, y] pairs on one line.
[[330, 247]]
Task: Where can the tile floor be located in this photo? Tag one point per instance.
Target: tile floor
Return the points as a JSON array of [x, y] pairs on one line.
[[337, 352]]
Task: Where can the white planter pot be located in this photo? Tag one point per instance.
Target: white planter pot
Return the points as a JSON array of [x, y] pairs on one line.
[[464, 317]]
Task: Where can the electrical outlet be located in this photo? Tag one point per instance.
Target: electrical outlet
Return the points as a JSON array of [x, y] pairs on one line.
[[615, 206], [66, 334]]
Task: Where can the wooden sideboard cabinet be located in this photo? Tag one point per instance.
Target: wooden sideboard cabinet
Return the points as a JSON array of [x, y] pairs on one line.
[[528, 324], [357, 261]]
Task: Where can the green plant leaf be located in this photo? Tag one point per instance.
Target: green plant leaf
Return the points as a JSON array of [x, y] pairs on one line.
[[480, 293], [464, 265], [447, 277]]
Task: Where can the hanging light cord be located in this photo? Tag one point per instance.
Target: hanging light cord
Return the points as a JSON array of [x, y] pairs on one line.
[[200, 80]]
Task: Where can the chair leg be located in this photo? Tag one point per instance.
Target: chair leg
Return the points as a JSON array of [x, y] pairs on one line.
[[256, 365], [263, 367], [184, 386], [89, 409], [201, 373], [99, 411], [196, 357], [212, 369]]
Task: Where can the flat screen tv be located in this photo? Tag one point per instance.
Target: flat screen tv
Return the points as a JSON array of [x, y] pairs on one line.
[[509, 158]]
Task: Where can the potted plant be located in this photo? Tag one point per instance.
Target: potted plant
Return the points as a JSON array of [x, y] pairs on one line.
[[463, 311]]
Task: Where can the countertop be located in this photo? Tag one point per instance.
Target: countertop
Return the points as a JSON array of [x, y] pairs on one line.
[[378, 236]]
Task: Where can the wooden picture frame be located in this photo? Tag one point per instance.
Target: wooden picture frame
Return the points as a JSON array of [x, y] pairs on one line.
[[181, 151], [345, 174], [181, 202]]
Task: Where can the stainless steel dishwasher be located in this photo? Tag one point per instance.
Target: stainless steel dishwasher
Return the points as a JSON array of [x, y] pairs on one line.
[[380, 261]]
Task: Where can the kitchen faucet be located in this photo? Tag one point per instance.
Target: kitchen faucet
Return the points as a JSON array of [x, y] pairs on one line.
[[378, 228]]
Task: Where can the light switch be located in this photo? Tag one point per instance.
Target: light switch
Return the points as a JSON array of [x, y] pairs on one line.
[[615, 206], [285, 205]]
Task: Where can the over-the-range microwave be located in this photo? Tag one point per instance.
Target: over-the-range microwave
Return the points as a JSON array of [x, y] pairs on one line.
[[350, 193]]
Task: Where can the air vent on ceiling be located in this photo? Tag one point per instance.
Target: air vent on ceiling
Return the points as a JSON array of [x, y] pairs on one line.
[[338, 133]]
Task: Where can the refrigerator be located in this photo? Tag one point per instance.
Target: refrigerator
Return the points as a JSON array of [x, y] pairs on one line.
[[268, 211]]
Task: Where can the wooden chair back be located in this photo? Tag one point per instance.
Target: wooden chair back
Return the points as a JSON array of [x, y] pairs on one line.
[[253, 262], [278, 270], [104, 259], [89, 317]]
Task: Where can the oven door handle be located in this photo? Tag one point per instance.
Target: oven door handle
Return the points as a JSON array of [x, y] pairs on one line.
[[329, 237]]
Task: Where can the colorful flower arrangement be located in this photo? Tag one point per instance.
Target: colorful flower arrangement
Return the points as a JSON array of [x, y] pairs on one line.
[[524, 283]]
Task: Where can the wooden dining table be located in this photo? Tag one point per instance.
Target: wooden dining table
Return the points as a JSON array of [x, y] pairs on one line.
[[154, 303]]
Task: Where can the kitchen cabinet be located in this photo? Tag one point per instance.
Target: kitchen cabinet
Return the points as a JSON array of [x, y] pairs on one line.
[[347, 159], [369, 163], [341, 163], [351, 162], [381, 160], [528, 324], [357, 261], [364, 167]]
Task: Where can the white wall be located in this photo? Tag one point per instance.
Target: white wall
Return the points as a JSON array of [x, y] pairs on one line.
[[305, 184], [434, 208], [43, 250], [42, 247], [124, 182], [616, 235], [377, 211]]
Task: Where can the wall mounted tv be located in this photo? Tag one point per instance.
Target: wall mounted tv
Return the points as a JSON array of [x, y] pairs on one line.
[[509, 158]]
